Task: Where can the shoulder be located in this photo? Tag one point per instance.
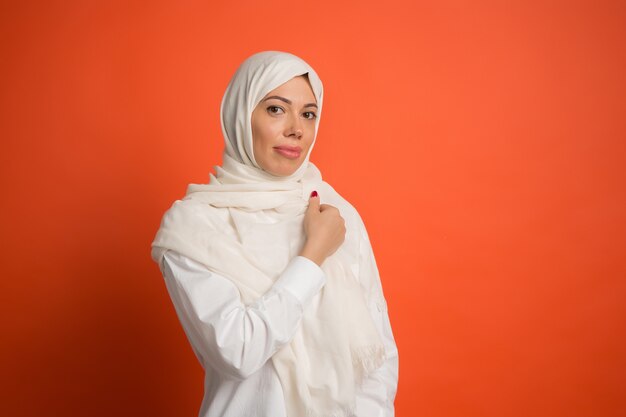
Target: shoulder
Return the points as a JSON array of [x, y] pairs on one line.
[[347, 210], [176, 262], [355, 227], [192, 213], [187, 226]]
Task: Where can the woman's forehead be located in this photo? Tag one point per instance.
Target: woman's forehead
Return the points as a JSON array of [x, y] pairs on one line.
[[297, 87]]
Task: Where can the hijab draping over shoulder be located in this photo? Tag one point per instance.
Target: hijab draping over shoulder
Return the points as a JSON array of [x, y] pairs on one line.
[[337, 344]]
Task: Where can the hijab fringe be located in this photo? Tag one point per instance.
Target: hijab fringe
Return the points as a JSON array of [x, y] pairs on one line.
[[367, 359]]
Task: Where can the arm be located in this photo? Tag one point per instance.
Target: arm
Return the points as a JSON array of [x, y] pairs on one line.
[[235, 339], [375, 398]]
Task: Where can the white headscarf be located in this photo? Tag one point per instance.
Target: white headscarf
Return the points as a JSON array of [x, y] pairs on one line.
[[217, 224], [257, 76]]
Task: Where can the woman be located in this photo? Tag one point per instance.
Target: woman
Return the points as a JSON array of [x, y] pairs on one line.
[[271, 271]]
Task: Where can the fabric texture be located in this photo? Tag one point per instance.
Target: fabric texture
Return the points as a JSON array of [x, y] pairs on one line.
[[337, 344], [240, 379]]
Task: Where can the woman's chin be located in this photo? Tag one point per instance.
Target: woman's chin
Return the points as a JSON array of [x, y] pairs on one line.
[[284, 170]]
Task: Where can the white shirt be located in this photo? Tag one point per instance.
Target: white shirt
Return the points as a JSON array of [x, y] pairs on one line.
[[234, 342]]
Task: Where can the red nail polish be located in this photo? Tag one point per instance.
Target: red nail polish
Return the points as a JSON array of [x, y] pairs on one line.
[[314, 194]]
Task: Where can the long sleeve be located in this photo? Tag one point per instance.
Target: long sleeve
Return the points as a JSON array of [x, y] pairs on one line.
[[375, 397], [234, 339]]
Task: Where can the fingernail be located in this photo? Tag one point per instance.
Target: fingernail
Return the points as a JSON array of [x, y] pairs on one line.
[[314, 194]]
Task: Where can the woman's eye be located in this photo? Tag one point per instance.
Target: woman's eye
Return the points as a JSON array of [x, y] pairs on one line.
[[274, 109], [310, 115]]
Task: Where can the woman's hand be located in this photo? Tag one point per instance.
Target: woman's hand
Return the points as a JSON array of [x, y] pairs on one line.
[[325, 230]]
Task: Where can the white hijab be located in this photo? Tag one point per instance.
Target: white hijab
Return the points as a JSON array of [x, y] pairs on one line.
[[217, 224]]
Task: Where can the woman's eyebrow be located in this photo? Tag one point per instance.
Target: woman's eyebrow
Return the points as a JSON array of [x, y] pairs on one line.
[[289, 101]]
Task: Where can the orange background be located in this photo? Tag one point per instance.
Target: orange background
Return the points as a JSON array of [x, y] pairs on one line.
[[484, 144]]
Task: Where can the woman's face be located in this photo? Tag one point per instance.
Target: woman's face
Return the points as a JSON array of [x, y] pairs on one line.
[[283, 127]]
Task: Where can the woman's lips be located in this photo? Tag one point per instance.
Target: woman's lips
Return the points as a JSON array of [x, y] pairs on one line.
[[290, 152]]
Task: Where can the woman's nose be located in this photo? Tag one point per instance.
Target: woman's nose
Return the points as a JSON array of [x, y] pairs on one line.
[[295, 127]]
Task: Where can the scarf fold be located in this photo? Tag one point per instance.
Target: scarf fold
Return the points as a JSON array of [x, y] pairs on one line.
[[247, 225]]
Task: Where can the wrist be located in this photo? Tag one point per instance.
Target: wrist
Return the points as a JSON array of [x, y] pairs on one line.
[[311, 254]]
